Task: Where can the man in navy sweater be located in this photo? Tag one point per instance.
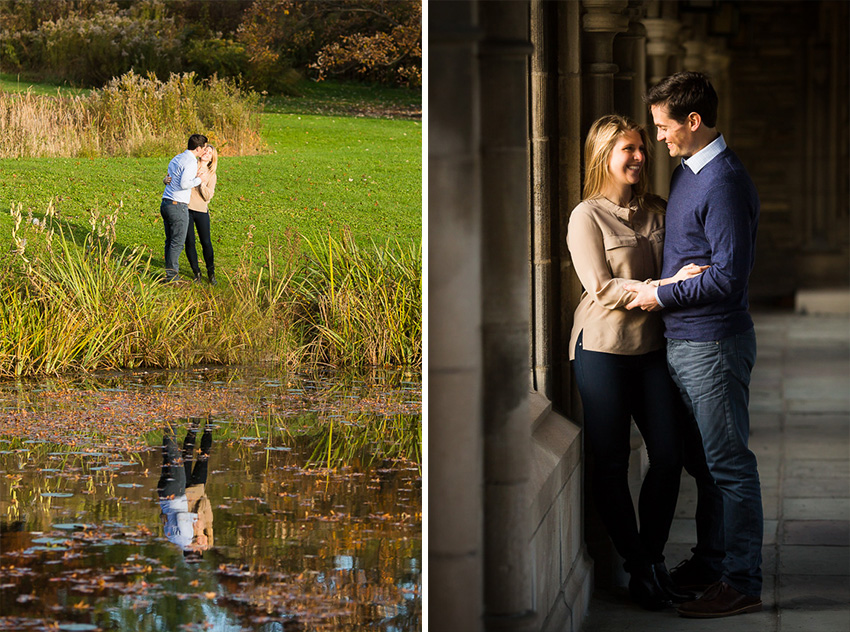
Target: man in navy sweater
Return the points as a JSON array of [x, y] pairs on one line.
[[712, 217]]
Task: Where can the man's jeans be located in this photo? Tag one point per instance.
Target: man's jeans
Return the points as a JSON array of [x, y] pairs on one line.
[[175, 216], [714, 377]]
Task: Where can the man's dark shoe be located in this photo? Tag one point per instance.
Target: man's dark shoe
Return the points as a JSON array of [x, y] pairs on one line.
[[720, 600], [211, 277], [197, 278], [673, 592], [694, 575]]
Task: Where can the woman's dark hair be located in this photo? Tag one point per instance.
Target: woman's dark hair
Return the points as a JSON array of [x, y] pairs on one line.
[[683, 93]]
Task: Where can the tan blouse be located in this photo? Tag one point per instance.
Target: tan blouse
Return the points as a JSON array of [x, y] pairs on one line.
[[202, 194], [612, 245]]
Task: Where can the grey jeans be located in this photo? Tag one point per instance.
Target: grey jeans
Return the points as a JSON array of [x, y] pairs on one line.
[[175, 216]]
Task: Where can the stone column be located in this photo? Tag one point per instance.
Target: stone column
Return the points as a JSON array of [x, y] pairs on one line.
[[544, 188], [823, 257], [717, 67], [506, 297], [569, 178], [601, 22], [694, 60], [630, 57], [818, 127], [661, 46], [455, 421]]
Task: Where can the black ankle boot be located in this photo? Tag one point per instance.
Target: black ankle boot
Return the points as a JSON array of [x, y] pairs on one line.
[[673, 592], [211, 277], [197, 276], [645, 589]]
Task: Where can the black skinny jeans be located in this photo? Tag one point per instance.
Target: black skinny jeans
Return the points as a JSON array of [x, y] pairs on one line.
[[614, 389], [201, 221]]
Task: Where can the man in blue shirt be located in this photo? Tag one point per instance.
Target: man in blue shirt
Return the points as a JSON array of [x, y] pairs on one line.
[[712, 218], [183, 170]]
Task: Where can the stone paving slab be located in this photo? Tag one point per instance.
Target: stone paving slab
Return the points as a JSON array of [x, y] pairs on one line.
[[759, 420], [815, 405], [809, 446], [818, 487], [816, 468], [822, 508], [806, 592], [818, 620], [818, 422], [817, 532], [815, 560]]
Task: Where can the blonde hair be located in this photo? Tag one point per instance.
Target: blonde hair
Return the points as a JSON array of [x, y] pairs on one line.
[[212, 164], [603, 135]]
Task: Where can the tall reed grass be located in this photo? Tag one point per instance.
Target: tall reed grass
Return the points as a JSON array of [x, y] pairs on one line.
[[131, 116], [362, 303], [66, 306]]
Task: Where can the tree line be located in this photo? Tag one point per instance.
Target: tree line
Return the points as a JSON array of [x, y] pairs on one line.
[[270, 45]]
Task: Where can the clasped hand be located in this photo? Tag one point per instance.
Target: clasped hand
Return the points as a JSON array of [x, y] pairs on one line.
[[645, 294]]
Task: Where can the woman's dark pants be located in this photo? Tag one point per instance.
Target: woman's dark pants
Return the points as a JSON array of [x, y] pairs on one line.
[[178, 471], [615, 389], [201, 221]]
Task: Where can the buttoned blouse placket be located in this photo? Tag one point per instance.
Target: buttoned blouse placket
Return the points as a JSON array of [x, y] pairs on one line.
[[643, 249]]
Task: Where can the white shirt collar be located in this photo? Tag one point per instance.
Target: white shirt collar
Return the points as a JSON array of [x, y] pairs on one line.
[[705, 155]]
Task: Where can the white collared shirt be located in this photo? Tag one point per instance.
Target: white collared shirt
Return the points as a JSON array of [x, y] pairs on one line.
[[705, 155]]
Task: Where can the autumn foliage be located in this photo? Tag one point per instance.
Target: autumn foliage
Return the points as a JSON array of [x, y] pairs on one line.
[[375, 40], [270, 44]]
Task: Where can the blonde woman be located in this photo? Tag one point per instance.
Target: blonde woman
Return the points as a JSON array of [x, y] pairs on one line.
[[616, 236], [199, 216]]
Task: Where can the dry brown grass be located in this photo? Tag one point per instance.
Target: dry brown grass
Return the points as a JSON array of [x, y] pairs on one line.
[[130, 116]]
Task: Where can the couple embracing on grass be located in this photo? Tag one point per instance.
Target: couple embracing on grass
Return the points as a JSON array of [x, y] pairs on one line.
[[189, 186]]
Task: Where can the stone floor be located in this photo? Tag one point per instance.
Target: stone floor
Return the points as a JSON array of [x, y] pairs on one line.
[[800, 432]]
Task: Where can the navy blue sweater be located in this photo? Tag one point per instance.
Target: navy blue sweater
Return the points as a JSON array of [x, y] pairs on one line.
[[712, 218]]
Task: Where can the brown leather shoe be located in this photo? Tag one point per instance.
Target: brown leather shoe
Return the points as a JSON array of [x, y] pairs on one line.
[[720, 600]]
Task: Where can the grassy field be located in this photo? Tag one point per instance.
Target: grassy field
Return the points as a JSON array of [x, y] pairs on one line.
[[328, 97], [17, 83], [321, 173], [348, 184]]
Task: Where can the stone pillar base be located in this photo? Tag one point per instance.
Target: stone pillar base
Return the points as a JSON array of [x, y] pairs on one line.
[[570, 608], [563, 571], [823, 302]]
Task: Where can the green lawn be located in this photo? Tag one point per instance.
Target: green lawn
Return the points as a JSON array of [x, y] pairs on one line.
[[329, 97], [321, 173], [17, 83]]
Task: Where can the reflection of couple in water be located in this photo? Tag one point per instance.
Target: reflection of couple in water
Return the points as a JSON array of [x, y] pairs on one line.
[[186, 511]]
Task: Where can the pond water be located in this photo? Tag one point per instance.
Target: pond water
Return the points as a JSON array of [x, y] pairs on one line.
[[295, 503]]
